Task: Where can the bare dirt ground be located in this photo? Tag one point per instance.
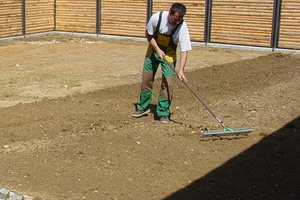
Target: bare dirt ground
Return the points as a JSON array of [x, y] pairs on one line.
[[66, 130]]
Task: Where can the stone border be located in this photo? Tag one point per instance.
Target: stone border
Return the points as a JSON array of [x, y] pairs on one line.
[[6, 194]]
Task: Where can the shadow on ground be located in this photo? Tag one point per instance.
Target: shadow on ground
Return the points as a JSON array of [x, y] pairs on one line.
[[269, 169]]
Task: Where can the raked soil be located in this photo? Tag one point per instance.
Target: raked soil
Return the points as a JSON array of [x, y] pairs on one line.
[[66, 130]]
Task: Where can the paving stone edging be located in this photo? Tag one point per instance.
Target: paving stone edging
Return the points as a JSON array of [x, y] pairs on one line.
[[6, 194]]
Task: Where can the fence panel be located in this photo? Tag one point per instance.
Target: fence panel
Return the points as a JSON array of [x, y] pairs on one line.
[[195, 17], [123, 17], [76, 16], [39, 16], [289, 36], [242, 22], [10, 18]]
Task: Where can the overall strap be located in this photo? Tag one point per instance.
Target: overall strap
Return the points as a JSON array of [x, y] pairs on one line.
[[158, 25], [159, 19], [159, 22]]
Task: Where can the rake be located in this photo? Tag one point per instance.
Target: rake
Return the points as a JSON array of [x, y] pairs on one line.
[[225, 131]]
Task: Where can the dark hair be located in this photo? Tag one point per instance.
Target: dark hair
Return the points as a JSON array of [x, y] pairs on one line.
[[179, 8]]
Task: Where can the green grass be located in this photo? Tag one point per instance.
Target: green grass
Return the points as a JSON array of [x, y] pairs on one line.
[[70, 83], [8, 93]]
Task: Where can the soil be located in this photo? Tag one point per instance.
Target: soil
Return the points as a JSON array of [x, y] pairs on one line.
[[66, 129]]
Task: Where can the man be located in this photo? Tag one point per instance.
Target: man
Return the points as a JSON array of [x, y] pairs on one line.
[[164, 31]]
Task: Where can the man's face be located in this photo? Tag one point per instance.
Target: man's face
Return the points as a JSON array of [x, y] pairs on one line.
[[175, 18]]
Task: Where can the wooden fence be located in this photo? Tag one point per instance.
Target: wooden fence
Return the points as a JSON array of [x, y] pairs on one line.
[[127, 17], [39, 16], [265, 23], [76, 15], [10, 18], [289, 33], [242, 22], [195, 16]]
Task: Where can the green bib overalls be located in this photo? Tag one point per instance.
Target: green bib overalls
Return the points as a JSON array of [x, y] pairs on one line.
[[151, 63]]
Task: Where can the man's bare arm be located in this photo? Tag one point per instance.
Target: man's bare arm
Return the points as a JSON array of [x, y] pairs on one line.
[[183, 60]]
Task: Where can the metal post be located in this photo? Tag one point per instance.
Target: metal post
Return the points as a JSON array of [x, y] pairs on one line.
[[149, 9], [23, 17], [54, 7], [276, 24], [207, 25], [98, 17]]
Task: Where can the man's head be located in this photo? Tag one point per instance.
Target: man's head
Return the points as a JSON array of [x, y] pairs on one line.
[[176, 13]]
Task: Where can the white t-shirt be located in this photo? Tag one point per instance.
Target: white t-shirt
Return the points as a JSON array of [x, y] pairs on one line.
[[181, 36]]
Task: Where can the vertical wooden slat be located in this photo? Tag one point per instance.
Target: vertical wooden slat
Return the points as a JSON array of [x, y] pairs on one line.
[[54, 14], [275, 24], [23, 17], [207, 26], [149, 9], [98, 17]]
